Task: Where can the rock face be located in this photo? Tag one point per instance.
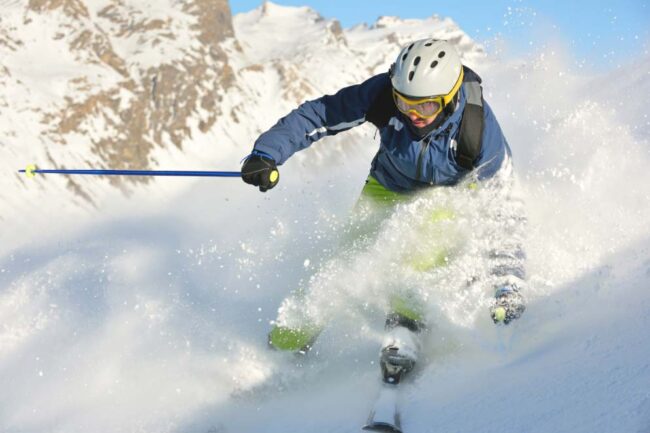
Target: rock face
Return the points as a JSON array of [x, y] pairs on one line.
[[145, 78]]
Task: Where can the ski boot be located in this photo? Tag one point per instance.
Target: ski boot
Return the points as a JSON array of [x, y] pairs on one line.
[[400, 348]]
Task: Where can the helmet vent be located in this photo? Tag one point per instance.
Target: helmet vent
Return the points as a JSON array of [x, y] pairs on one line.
[[411, 46], [404, 56], [428, 44], [434, 64], [416, 61], [441, 54], [411, 74]]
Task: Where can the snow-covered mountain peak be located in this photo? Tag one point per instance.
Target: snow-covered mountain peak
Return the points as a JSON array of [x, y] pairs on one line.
[[272, 10], [379, 44], [393, 22], [296, 30], [385, 21]]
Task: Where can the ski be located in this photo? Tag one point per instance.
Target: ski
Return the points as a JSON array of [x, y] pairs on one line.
[[397, 358], [385, 414]]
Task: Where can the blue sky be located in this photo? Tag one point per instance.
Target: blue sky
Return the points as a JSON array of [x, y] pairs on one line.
[[602, 34]]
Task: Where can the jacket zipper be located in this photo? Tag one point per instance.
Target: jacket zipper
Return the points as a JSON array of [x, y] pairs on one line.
[[423, 149]]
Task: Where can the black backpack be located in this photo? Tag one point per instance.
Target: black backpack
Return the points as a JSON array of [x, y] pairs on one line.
[[471, 124]]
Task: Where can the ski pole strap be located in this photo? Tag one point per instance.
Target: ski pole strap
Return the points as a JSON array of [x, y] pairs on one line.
[[31, 171]]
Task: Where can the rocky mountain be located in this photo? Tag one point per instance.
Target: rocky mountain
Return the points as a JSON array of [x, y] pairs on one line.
[[165, 84], [115, 78]]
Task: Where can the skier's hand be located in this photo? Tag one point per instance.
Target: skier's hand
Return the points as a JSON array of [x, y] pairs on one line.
[[260, 171], [508, 305]]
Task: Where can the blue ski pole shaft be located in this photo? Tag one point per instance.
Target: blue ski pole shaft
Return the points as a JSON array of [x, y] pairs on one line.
[[33, 171]]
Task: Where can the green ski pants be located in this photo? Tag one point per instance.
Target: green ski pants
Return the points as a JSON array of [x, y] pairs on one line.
[[375, 204]]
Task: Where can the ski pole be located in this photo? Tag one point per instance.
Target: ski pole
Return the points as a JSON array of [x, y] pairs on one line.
[[32, 170]]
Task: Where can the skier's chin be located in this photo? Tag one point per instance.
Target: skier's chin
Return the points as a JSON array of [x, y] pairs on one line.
[[419, 123]]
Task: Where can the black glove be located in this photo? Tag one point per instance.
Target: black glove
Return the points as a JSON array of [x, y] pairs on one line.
[[508, 305], [260, 171]]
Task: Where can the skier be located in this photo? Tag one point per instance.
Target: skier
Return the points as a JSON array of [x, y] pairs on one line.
[[436, 131]]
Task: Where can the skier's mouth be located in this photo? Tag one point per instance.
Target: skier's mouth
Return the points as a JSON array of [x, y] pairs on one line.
[[419, 123]]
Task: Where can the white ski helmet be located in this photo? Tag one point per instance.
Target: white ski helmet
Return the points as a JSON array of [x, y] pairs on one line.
[[428, 67]]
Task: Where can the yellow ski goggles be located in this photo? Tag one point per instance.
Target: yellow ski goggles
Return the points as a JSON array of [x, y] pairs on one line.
[[426, 108]]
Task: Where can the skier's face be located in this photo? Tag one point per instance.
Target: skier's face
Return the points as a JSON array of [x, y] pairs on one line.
[[418, 121]]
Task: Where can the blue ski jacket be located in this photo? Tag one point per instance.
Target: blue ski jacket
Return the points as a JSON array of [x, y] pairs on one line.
[[401, 151]]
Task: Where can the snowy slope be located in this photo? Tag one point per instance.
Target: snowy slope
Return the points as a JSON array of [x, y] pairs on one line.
[[151, 313]]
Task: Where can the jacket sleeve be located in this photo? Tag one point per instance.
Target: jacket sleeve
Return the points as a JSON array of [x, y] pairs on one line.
[[312, 120], [507, 223], [505, 211]]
